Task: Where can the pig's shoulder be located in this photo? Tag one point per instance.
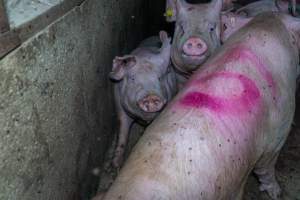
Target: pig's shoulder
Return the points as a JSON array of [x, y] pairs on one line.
[[267, 22]]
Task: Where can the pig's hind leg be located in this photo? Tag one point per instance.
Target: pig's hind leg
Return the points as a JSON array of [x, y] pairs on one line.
[[266, 174], [265, 167]]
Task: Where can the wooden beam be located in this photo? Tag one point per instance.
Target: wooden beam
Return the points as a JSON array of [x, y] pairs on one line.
[[11, 39], [8, 42], [4, 25], [30, 28]]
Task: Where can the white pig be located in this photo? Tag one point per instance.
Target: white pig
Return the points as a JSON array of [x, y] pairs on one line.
[[232, 117]]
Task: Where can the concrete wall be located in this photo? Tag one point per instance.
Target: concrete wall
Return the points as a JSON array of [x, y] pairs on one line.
[[56, 108]]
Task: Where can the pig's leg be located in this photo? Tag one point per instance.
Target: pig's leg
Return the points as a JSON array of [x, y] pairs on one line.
[[266, 174], [125, 122], [265, 167], [124, 125]]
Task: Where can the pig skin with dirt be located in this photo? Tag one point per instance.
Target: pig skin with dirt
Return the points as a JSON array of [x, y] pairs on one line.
[[232, 117], [144, 83]]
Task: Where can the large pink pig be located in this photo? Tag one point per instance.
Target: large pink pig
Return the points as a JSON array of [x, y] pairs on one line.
[[232, 117]]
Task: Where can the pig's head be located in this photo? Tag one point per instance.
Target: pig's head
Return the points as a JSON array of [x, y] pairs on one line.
[[197, 32], [140, 77]]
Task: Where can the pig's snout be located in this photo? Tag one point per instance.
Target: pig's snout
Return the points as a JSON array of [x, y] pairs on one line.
[[194, 46], [151, 103]]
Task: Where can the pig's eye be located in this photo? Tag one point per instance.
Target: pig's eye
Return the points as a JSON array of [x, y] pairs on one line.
[[212, 27]]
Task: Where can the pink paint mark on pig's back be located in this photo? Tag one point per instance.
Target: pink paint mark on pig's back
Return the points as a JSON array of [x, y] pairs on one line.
[[241, 53], [248, 96]]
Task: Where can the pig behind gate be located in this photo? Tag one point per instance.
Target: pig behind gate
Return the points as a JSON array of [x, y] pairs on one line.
[[232, 117], [144, 83]]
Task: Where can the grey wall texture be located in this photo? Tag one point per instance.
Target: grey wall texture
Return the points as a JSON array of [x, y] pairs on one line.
[[56, 107]]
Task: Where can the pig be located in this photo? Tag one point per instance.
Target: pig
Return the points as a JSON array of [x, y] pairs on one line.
[[197, 32], [232, 117], [258, 7], [144, 83], [197, 29], [232, 21]]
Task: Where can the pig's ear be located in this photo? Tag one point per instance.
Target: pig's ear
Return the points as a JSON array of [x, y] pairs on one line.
[[119, 66], [216, 8], [163, 36], [171, 11], [165, 51], [173, 7], [166, 42]]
